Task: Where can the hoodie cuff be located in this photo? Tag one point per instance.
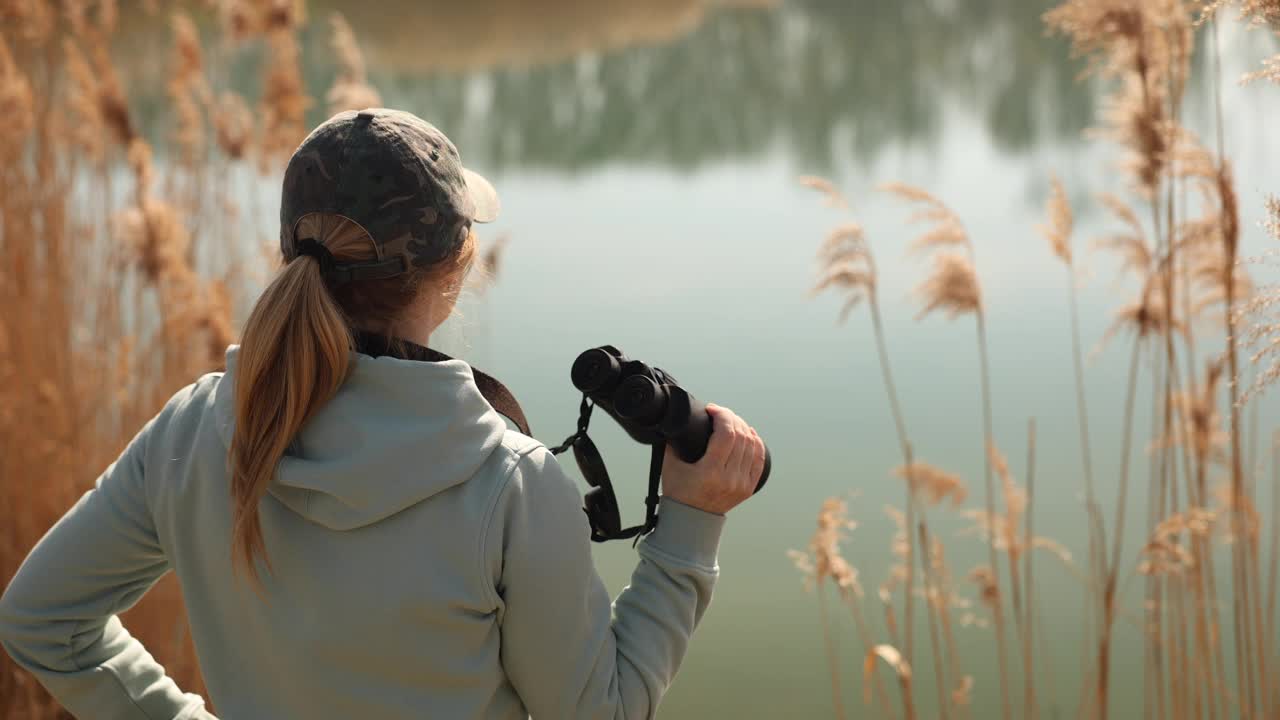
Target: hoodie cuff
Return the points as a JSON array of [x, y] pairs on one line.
[[686, 533]]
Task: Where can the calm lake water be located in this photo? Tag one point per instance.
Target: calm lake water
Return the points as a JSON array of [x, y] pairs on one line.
[[647, 156]]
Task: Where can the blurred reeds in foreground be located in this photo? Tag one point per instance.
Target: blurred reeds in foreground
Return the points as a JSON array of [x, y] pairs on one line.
[[121, 272], [1196, 619]]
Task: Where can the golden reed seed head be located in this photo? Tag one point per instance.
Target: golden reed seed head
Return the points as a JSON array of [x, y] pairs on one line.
[[988, 588], [17, 104], [188, 90], [115, 108], [947, 230], [824, 559], [951, 287], [845, 263], [1270, 71], [892, 657], [1145, 317], [933, 483], [1059, 221], [351, 89], [233, 125], [284, 101], [244, 19], [834, 198]]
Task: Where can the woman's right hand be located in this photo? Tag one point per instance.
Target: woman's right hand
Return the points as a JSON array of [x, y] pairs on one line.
[[726, 474]]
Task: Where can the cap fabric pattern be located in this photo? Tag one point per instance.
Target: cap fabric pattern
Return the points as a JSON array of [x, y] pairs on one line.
[[396, 176]]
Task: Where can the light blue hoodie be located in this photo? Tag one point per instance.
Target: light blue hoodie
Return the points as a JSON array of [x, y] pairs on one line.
[[427, 562]]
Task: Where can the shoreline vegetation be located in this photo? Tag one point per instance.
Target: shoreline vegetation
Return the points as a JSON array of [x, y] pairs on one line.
[[1205, 570]]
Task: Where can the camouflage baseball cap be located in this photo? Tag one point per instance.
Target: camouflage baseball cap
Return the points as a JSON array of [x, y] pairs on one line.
[[396, 176]]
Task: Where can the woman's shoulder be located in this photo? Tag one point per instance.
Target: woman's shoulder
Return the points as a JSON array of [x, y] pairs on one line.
[[526, 464], [186, 411], [196, 398]]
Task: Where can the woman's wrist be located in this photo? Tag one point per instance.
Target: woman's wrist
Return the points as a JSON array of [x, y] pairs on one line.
[[687, 532]]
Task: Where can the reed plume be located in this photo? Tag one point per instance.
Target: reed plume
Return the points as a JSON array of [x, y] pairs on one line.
[[1261, 314], [17, 104], [1132, 246], [233, 126], [832, 195], [1059, 222], [284, 101], [822, 562], [351, 89], [932, 483], [951, 287], [188, 90]]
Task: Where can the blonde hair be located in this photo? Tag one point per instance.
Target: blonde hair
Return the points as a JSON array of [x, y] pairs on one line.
[[295, 353]]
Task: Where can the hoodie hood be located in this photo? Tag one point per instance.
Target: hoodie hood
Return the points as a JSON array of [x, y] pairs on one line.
[[396, 433]]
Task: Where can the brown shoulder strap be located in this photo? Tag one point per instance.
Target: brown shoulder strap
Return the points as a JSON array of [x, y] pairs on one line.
[[493, 391], [500, 398]]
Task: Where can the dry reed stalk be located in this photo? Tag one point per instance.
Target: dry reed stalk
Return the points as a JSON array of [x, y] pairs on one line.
[[952, 287], [1246, 570], [930, 593], [846, 263], [1004, 533], [833, 656], [1030, 706], [1209, 269], [1146, 46], [901, 668], [946, 599], [1274, 571], [1109, 586], [1058, 230]]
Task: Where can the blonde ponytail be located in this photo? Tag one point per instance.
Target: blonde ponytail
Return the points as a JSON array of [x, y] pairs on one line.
[[293, 357]]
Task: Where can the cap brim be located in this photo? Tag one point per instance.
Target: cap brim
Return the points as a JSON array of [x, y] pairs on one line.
[[483, 196]]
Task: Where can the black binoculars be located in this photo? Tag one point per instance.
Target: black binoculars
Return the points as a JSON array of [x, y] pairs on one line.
[[648, 403]]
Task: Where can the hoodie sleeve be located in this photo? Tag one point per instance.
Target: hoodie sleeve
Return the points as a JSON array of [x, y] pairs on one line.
[[567, 651], [58, 615]]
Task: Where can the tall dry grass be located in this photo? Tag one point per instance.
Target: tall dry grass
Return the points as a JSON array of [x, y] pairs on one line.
[[1207, 604], [123, 261]]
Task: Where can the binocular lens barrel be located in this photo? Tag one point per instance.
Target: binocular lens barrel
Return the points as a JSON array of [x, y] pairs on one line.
[[640, 400], [595, 370]]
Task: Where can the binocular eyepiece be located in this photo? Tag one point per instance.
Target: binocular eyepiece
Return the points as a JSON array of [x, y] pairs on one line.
[[648, 403]]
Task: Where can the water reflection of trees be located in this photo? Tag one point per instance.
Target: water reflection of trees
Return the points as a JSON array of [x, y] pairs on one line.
[[822, 79], [825, 81]]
